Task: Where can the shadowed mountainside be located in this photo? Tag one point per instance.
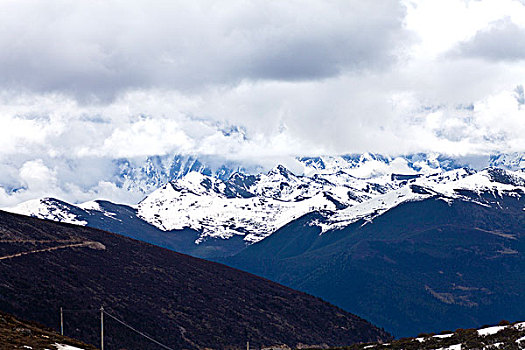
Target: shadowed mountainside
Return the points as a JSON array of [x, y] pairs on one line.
[[423, 266], [184, 302]]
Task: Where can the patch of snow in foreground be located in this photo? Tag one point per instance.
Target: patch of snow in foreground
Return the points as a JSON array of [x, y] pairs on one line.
[[441, 336], [452, 347], [520, 326], [491, 330], [66, 347]]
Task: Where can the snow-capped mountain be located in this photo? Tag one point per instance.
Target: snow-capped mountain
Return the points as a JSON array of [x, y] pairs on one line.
[[413, 240], [344, 189], [50, 209], [369, 165], [155, 171], [145, 176], [511, 161]]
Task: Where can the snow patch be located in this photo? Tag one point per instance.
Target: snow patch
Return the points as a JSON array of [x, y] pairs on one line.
[[452, 347], [66, 347], [91, 205], [491, 330], [47, 208], [442, 336]]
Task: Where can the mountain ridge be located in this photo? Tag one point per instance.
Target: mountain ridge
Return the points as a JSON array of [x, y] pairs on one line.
[[154, 171], [249, 208]]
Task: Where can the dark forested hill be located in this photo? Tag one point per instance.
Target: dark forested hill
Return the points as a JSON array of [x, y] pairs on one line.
[[422, 266], [184, 302]]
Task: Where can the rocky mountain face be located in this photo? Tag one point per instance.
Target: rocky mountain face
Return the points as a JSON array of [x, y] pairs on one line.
[[147, 175], [181, 301]]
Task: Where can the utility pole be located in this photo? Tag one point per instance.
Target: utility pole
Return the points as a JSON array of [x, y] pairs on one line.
[[102, 328], [61, 322]]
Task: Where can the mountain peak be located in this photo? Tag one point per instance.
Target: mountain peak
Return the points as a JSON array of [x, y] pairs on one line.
[[511, 161], [504, 176], [280, 170]]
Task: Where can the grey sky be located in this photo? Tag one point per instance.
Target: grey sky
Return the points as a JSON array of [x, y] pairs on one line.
[[95, 48], [502, 41]]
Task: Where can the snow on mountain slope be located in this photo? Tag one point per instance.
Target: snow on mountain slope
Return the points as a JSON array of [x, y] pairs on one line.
[[448, 186], [511, 161], [344, 188], [57, 210], [271, 200], [189, 203], [146, 175], [48, 208], [369, 165]]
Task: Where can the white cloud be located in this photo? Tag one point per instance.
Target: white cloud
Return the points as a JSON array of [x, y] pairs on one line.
[[144, 137], [36, 176], [83, 83], [440, 25]]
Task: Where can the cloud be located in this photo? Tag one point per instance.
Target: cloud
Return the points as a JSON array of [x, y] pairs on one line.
[[97, 49], [36, 176], [85, 83], [71, 180], [72, 157], [502, 41], [143, 137]]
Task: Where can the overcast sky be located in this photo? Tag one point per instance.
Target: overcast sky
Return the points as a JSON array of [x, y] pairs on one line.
[[88, 81]]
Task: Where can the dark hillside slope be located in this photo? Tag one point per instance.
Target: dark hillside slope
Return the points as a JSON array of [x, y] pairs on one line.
[[422, 266], [185, 302]]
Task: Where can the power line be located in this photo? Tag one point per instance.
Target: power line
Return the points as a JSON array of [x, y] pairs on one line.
[[137, 331], [116, 319], [80, 310]]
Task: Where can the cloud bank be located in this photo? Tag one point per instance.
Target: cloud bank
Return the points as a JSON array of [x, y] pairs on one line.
[[84, 83], [97, 49]]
